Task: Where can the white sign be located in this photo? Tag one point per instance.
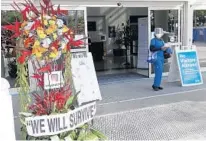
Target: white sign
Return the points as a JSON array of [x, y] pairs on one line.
[[53, 80], [55, 124], [173, 75], [84, 78]]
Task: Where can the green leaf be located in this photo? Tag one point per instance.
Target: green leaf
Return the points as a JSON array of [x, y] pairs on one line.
[[54, 108], [54, 138], [68, 138], [90, 136], [98, 133], [71, 100], [23, 132], [24, 114], [72, 135], [82, 135], [75, 97], [22, 121]]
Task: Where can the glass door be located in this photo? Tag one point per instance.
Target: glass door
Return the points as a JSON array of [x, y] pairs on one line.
[[199, 33], [170, 20]]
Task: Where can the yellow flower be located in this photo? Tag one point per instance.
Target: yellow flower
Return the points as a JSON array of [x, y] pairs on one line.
[[26, 32], [41, 49], [45, 22], [52, 22], [65, 29], [54, 36], [53, 54], [36, 44], [65, 49], [51, 29], [38, 50], [41, 33], [24, 24], [38, 55], [53, 17], [54, 27]]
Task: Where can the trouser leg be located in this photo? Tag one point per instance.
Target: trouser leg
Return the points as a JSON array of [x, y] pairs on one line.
[[158, 66]]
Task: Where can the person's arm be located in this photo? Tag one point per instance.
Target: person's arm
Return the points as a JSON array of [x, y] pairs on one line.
[[152, 46]]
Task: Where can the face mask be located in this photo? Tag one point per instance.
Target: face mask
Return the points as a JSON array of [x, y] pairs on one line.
[[158, 35]]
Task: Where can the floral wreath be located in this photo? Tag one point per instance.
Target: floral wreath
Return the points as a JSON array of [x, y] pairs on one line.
[[43, 38]]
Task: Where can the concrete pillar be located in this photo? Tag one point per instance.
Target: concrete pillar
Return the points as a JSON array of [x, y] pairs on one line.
[[7, 131], [187, 24]]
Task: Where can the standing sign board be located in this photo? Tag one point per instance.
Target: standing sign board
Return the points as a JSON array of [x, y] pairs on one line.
[[84, 78], [189, 68], [174, 70]]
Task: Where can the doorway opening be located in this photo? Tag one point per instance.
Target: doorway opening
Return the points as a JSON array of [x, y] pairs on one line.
[[118, 41]]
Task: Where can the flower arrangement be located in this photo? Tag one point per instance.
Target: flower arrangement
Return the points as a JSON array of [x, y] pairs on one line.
[[44, 40]]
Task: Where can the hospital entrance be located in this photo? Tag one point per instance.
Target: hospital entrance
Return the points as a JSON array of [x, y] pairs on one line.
[[119, 39]]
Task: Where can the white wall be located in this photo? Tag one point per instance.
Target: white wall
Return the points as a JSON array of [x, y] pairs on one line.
[[114, 15]]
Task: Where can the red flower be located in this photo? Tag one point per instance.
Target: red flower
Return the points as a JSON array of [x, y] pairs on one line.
[[14, 28], [37, 76], [21, 59], [43, 104], [37, 23], [24, 55], [47, 68]]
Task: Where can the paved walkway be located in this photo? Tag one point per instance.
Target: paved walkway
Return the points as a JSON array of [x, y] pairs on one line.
[[183, 120], [131, 110]]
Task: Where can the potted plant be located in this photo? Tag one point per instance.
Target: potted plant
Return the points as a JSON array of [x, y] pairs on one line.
[[119, 41]]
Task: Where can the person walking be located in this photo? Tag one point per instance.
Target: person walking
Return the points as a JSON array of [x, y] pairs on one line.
[[157, 45]]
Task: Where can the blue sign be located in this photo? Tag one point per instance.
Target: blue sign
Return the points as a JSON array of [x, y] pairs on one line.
[[189, 68]]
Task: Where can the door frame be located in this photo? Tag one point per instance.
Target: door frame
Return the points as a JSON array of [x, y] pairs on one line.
[[180, 29], [199, 6]]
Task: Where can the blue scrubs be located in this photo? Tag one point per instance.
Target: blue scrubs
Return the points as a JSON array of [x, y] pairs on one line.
[[159, 63]]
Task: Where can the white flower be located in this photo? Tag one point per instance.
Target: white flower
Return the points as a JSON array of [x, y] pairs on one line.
[[63, 44], [58, 56], [60, 23], [65, 40], [30, 15], [28, 26], [59, 32], [46, 42], [31, 34], [47, 17]]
